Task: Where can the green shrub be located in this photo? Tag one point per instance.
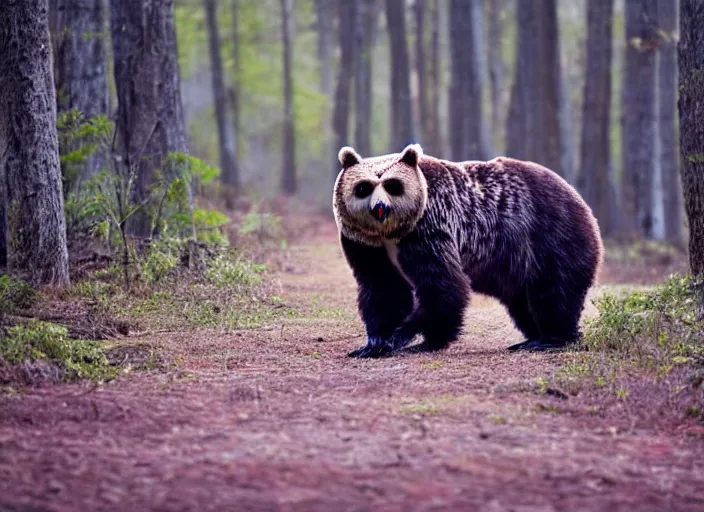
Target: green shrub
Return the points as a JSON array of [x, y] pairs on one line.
[[42, 341], [239, 274], [665, 321], [15, 295]]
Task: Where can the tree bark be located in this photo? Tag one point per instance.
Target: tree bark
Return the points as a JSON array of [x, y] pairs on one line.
[[367, 13], [325, 16], [402, 125], [673, 208], [150, 123], [467, 130], [533, 126], [420, 9], [691, 110], [236, 86], [497, 70], [288, 177], [81, 64], [594, 180], [638, 99], [435, 145], [348, 20], [228, 160], [29, 165]]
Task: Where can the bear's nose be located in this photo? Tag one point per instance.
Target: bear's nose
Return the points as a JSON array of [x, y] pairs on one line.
[[380, 211]]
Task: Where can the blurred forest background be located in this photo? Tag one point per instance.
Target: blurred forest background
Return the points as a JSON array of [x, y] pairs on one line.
[[165, 106], [557, 82]]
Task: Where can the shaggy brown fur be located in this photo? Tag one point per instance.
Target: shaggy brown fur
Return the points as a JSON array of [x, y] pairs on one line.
[[419, 233]]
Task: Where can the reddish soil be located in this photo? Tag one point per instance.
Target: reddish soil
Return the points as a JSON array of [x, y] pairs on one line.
[[279, 418]]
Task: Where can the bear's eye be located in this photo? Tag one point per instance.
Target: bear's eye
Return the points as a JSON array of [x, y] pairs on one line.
[[394, 187], [363, 189]]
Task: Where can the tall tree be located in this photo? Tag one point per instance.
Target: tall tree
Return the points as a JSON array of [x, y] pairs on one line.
[[325, 17], [467, 130], [29, 159], [81, 64], [236, 86], [402, 123], [435, 137], [150, 123], [366, 28], [667, 121], [420, 10], [497, 69], [691, 109], [341, 114], [638, 104], [228, 160], [533, 125], [288, 177], [594, 180]]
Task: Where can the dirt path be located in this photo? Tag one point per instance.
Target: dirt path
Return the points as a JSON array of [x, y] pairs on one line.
[[280, 419]]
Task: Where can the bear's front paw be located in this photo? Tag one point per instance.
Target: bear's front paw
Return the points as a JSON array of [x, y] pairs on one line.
[[375, 347]]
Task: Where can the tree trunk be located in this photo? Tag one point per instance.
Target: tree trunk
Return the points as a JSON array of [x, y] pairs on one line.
[[691, 109], [468, 134], [81, 65], [3, 224], [288, 177], [402, 125], [325, 17], [236, 86], [435, 145], [29, 165], [497, 71], [150, 123], [667, 122], [638, 99], [348, 19], [367, 14], [420, 9], [594, 178], [533, 126], [228, 160]]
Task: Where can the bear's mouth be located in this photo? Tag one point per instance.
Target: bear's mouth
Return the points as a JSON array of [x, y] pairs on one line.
[[380, 212]]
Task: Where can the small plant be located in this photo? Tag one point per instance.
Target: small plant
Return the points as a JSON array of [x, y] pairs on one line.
[[663, 323], [15, 295], [46, 342], [234, 273]]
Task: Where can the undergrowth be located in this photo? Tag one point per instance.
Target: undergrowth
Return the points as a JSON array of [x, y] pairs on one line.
[[648, 339], [47, 343]]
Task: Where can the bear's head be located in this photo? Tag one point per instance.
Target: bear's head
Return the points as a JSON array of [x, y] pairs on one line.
[[381, 198]]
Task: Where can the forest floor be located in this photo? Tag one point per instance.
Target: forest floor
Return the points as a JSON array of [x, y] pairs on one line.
[[279, 418]]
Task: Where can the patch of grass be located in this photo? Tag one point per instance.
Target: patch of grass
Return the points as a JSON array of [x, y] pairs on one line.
[[662, 325], [433, 365], [46, 342], [422, 409], [643, 347], [15, 295], [498, 419]]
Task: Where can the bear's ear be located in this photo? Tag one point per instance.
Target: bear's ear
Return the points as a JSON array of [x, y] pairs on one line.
[[348, 157], [411, 155]]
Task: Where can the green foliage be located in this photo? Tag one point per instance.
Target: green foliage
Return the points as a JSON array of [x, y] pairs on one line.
[[15, 295], [237, 274], [162, 260], [662, 323], [79, 139], [42, 341]]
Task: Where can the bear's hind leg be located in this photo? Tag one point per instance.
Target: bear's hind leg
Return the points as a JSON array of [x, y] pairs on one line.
[[522, 317], [555, 306]]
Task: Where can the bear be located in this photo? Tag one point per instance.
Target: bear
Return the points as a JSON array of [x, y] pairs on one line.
[[420, 234]]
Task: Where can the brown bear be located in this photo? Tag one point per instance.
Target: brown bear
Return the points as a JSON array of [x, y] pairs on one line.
[[419, 233]]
